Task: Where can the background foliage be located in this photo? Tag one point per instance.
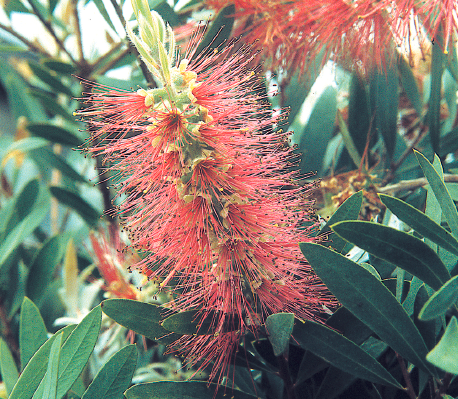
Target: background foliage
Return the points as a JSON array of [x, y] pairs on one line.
[[389, 212]]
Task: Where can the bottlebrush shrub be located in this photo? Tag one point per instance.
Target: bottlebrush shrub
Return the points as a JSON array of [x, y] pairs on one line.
[[209, 192]]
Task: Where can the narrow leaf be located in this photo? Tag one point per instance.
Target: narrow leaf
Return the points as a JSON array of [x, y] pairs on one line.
[[55, 134], [143, 318], [32, 331], [433, 116], [440, 301], [440, 191], [409, 84], [47, 77], [49, 382], [195, 322], [279, 327], [115, 376], [445, 353], [397, 247], [8, 368], [421, 223], [369, 300]]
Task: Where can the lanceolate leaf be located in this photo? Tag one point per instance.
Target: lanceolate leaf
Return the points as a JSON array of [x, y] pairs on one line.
[[8, 368], [54, 133], [433, 117], [421, 223], [440, 191], [410, 85], [397, 247], [193, 322], [445, 353], [440, 301], [369, 300], [48, 386], [143, 318], [115, 376], [182, 389], [279, 327], [342, 353]]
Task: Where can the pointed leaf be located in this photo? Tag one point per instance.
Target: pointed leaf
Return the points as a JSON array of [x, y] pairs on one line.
[[47, 77], [445, 353], [279, 327], [342, 353], [103, 11], [32, 331], [77, 349], [143, 318], [55, 134], [421, 223], [369, 300], [440, 191], [181, 390], [192, 322], [434, 105], [8, 368], [397, 247], [48, 386], [410, 85], [115, 376], [440, 301], [46, 159]]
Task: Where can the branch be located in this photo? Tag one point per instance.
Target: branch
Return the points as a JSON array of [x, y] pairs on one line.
[[409, 185], [409, 390], [27, 42], [283, 369], [79, 42], [113, 61]]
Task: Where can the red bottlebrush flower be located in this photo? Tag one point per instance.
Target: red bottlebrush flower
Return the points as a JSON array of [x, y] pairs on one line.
[[208, 193]]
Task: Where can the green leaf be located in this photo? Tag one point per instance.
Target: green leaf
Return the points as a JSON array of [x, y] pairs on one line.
[[421, 223], [219, 31], [25, 145], [78, 204], [59, 66], [48, 386], [143, 318], [409, 84], [440, 301], [349, 210], [342, 353], [440, 191], [427, 328], [103, 11], [369, 300], [77, 349], [33, 373], [397, 247], [23, 229], [32, 331], [47, 77], [51, 105], [433, 116], [8, 368], [279, 327], [445, 353], [115, 376], [55, 134], [183, 390], [43, 266]]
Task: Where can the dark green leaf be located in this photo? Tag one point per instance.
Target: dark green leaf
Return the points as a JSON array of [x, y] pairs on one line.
[[115, 376], [440, 191], [32, 331], [421, 223], [33, 373], [8, 368], [369, 300], [397, 247], [192, 322], [77, 349], [143, 318], [449, 143], [78, 204], [433, 116], [349, 210], [445, 353], [219, 31], [103, 11], [440, 301], [26, 198], [51, 104], [342, 353], [47, 77], [183, 390], [427, 328], [59, 66], [409, 84], [168, 14], [279, 327], [55, 134]]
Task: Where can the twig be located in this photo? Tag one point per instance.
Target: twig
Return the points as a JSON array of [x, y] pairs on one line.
[[444, 386], [409, 185], [79, 41], [108, 54], [283, 370], [409, 390], [113, 61], [27, 42]]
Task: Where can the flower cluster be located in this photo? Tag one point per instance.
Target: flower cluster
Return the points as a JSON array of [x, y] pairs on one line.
[[362, 33], [208, 189]]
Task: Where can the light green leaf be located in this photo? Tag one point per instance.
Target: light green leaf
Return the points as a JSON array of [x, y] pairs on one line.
[[77, 349], [369, 300], [440, 301], [32, 331], [397, 247], [143, 318], [8, 368], [182, 390], [421, 223], [115, 376], [440, 191], [279, 327], [445, 353]]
